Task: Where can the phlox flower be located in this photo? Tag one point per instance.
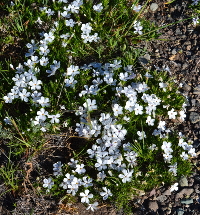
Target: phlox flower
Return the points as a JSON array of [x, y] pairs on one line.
[[172, 114], [182, 143], [92, 206], [167, 157], [195, 20], [138, 28], [138, 109], [72, 188], [7, 121], [70, 23], [57, 168], [24, 95], [54, 118], [73, 70], [163, 86], [48, 183], [90, 105], [192, 152], [49, 37], [35, 84], [44, 61], [86, 28], [101, 164], [98, 7], [126, 176], [150, 121], [85, 196], [70, 82], [184, 156], [141, 135], [136, 8], [182, 115], [49, 12], [44, 102], [80, 169], [87, 182], [173, 168], [44, 50], [117, 109], [101, 176], [161, 125], [41, 114], [174, 187], [106, 193]]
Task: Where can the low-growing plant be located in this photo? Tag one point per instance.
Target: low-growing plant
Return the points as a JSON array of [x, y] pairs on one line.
[[83, 73]]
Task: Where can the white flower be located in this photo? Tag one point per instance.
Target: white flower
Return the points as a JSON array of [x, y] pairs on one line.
[[73, 70], [141, 135], [57, 168], [98, 7], [93, 206], [48, 183], [54, 118], [105, 194], [138, 109], [182, 115], [42, 114], [184, 156], [117, 109], [86, 196], [174, 187], [90, 105], [44, 102], [150, 121], [35, 84], [80, 169], [70, 22], [24, 95], [126, 176], [86, 28], [195, 20], [138, 27], [172, 114], [136, 8]]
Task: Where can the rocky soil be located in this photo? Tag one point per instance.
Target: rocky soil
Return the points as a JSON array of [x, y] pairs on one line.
[[178, 47]]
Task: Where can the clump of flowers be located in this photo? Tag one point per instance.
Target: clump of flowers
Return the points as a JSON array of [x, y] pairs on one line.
[[123, 113]]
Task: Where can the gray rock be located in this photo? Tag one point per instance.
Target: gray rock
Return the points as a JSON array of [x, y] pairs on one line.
[[183, 182], [194, 117], [143, 60], [197, 90], [180, 211], [186, 87], [174, 51], [184, 192], [167, 193], [193, 101], [147, 56], [153, 205], [185, 65], [161, 198], [178, 31], [187, 201], [153, 7]]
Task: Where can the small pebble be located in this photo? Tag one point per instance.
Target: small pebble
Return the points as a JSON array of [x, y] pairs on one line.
[[187, 201], [183, 182], [153, 7], [180, 211], [194, 117], [153, 205]]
